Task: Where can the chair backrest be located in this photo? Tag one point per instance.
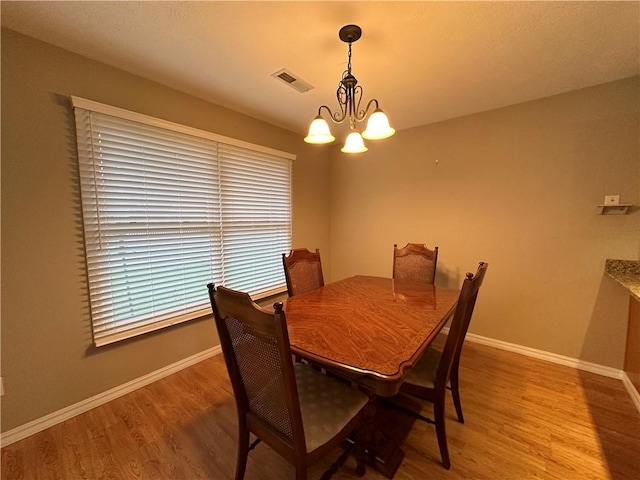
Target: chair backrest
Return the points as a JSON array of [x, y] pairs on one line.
[[415, 262], [256, 349], [460, 324], [302, 270]]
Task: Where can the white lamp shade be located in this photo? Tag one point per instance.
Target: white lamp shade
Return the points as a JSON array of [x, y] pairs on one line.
[[319, 131], [378, 126], [354, 143]]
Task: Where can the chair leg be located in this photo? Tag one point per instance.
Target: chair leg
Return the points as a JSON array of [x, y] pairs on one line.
[[301, 472], [455, 392], [335, 466], [360, 453], [243, 452], [438, 412]]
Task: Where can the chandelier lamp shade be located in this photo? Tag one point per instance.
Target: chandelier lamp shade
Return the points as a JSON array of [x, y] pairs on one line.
[[349, 96]]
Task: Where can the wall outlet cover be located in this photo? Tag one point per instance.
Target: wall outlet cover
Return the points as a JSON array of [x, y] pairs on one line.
[[612, 199]]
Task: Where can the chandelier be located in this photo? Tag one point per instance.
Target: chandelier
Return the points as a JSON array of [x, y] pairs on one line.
[[349, 95]]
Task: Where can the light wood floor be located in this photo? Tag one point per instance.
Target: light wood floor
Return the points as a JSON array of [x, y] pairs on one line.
[[524, 418]]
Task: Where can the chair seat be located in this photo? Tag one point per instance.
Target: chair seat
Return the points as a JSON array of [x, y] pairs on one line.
[[423, 373], [326, 404]]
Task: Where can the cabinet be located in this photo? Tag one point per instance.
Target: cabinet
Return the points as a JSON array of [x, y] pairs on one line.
[[632, 352], [627, 274]]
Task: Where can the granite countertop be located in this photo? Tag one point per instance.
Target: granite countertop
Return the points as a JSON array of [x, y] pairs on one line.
[[626, 273]]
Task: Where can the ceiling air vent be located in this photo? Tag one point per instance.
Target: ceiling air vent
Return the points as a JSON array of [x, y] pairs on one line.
[[292, 80]]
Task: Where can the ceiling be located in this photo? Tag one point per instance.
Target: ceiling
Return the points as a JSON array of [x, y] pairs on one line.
[[424, 61]]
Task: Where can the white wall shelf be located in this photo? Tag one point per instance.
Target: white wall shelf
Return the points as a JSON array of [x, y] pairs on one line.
[[620, 209]]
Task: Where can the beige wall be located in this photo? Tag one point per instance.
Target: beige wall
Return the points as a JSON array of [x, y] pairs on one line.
[[516, 187], [47, 359]]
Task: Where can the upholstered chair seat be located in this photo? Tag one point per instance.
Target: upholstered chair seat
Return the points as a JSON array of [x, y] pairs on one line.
[[326, 405]]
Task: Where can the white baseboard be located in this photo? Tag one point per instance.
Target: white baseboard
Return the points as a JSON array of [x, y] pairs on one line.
[[71, 411], [548, 356], [559, 359], [633, 393], [23, 431]]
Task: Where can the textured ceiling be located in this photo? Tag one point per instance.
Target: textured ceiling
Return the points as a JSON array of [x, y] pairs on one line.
[[424, 61]]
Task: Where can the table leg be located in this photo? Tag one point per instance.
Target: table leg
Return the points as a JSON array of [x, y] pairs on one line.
[[383, 452]]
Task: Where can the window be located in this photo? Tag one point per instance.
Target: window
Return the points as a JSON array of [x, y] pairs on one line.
[[166, 210]]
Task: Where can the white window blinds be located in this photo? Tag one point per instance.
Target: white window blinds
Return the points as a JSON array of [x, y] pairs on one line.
[[168, 209]]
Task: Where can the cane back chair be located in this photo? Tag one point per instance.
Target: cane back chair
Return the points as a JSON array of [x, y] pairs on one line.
[[428, 380], [415, 262], [297, 411], [302, 270]]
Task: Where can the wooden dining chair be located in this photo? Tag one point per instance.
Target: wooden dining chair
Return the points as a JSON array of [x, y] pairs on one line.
[[302, 270], [415, 262], [300, 413], [429, 378]]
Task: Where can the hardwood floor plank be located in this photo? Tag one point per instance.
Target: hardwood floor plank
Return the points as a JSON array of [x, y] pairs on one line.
[[524, 419]]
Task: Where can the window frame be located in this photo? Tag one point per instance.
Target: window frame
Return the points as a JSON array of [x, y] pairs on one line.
[[110, 334]]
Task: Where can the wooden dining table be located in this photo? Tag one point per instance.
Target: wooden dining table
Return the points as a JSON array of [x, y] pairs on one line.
[[371, 330]]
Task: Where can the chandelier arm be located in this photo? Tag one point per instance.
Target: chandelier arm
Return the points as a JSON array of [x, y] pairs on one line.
[[358, 115], [335, 117], [362, 114], [342, 97]]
